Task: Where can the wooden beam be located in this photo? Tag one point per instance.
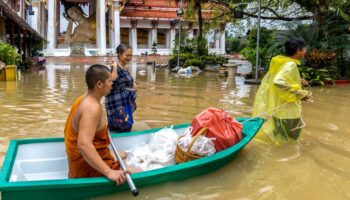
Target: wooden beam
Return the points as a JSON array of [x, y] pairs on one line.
[[19, 40], [25, 46], [12, 34]]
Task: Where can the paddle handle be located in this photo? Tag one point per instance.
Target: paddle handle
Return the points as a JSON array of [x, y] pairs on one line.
[[132, 186]]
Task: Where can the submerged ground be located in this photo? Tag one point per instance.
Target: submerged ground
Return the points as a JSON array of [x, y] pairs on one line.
[[317, 168]]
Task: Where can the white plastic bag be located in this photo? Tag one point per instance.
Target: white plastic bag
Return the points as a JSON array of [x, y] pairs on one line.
[[158, 152], [203, 146]]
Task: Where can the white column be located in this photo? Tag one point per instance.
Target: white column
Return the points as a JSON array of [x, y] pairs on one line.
[[217, 38], [111, 27], [133, 70], [167, 39], [42, 19], [51, 28], [34, 18], [208, 40], [150, 39], [190, 34], [134, 40], [130, 38], [20, 12], [190, 30], [222, 42], [134, 37], [101, 27], [172, 38], [154, 35], [116, 23], [97, 26]]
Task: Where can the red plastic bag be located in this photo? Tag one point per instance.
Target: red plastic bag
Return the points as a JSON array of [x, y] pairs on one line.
[[221, 126]]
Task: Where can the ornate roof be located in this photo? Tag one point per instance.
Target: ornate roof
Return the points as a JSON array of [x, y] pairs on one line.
[[153, 3], [164, 9], [150, 9], [12, 15]]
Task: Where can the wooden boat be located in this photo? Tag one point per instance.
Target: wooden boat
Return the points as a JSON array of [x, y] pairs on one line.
[[38, 168]]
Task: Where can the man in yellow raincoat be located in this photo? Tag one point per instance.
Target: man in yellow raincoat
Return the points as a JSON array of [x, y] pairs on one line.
[[279, 96]]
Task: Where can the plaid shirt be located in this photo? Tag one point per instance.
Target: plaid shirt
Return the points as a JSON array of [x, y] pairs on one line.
[[122, 92]]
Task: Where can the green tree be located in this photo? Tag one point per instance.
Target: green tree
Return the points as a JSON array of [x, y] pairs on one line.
[[194, 10], [266, 38], [8, 54]]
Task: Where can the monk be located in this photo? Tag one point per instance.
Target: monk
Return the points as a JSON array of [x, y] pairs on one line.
[[86, 134]]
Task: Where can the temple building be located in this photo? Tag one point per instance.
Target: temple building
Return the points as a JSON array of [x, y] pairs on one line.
[[15, 28], [95, 28]]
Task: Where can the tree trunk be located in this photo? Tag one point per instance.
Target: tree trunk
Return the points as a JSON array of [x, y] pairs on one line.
[[201, 45], [321, 12], [200, 19]]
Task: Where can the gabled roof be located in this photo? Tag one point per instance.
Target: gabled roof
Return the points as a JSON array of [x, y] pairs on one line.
[[154, 3]]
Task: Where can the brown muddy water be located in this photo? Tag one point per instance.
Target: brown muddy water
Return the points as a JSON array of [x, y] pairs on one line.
[[317, 168]]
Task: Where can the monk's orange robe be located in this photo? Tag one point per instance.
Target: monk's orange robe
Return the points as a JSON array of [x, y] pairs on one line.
[[78, 167]]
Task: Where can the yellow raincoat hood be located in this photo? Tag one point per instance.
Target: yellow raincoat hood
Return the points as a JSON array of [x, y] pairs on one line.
[[278, 61]]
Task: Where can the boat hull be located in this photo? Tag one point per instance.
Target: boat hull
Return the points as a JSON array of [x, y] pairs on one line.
[[83, 188]]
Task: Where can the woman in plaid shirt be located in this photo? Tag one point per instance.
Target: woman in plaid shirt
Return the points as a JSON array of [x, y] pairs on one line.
[[120, 102]]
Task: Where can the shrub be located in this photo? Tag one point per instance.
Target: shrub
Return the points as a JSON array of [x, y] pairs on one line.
[[316, 77], [195, 62], [8, 54], [319, 58]]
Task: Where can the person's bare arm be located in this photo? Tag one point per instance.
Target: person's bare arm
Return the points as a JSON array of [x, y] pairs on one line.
[[114, 69], [135, 86], [87, 128]]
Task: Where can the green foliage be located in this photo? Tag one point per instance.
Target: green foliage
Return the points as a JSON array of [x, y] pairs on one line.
[[234, 45], [191, 46], [35, 46], [316, 77], [194, 62], [266, 38], [307, 4], [202, 46], [319, 58], [337, 41], [310, 5], [190, 59], [8, 54], [250, 54], [213, 59]]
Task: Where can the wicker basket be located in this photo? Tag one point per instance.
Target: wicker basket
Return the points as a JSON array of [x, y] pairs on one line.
[[182, 156]]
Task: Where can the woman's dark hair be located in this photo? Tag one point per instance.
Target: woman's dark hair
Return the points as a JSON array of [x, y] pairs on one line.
[[293, 45], [122, 48], [96, 73]]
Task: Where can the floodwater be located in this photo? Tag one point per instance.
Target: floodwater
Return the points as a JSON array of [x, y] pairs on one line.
[[316, 168]]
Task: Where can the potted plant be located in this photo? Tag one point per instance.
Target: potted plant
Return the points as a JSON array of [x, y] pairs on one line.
[[154, 49], [9, 55], [2, 71]]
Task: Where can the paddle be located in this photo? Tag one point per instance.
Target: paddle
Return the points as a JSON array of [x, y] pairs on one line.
[[132, 186]]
